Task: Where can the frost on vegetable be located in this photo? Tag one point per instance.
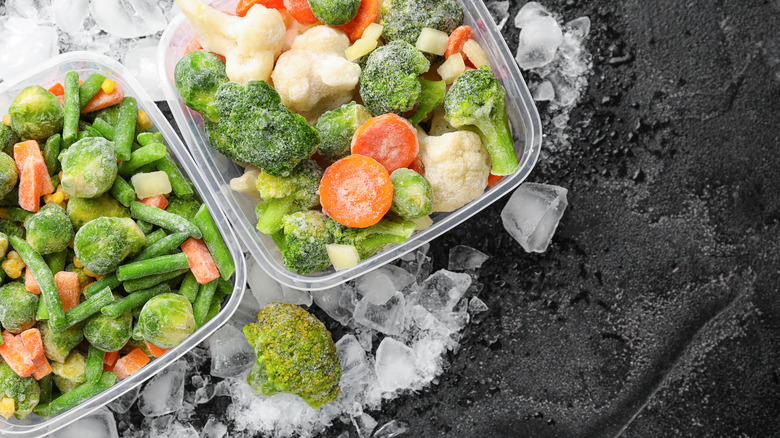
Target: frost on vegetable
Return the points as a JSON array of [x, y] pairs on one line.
[[306, 235], [405, 19], [8, 139], [23, 390], [389, 83], [334, 12], [286, 194], [109, 334], [102, 244], [457, 166], [82, 210], [57, 346], [89, 167], [198, 74], [337, 127], [314, 76], [49, 230], [8, 174], [36, 113], [165, 321], [249, 44], [412, 194], [70, 373], [17, 307]]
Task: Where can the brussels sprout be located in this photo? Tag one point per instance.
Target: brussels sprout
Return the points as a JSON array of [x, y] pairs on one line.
[[185, 208], [17, 307], [36, 113], [89, 167], [103, 243], [165, 321], [24, 390], [198, 74], [109, 334], [56, 346], [71, 373], [8, 139], [8, 174], [412, 194], [83, 210], [49, 230], [334, 12]]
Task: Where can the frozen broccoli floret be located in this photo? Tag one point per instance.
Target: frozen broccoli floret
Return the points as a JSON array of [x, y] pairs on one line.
[[337, 127], [89, 167], [412, 194], [8, 174], [49, 230], [390, 82], [295, 355], [24, 390], [476, 99], [165, 321], [70, 373], [285, 194], [334, 12], [306, 235], [8, 139], [371, 239], [102, 244], [36, 114], [17, 307], [405, 19], [198, 74], [11, 228], [82, 210], [256, 128], [57, 346], [109, 334]]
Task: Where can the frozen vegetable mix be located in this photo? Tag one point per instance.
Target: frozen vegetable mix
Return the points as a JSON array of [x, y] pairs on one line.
[[49, 230], [102, 244], [165, 321], [89, 167], [36, 114], [198, 75]]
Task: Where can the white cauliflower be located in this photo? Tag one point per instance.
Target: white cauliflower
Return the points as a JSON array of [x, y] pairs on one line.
[[314, 76], [457, 165], [249, 44]]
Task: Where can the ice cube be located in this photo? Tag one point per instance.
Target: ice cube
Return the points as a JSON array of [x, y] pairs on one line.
[[99, 424], [530, 12], [179, 430], [395, 365], [296, 296], [420, 266], [400, 277], [578, 29], [128, 18], [213, 429], [70, 14], [355, 369], [499, 10], [387, 318], [392, 429], [164, 393], [477, 306], [124, 402], [375, 287], [141, 60], [231, 354], [328, 300], [440, 292], [32, 9], [267, 290], [429, 357], [25, 44], [365, 336], [464, 257], [365, 424], [540, 36], [532, 214], [543, 92]]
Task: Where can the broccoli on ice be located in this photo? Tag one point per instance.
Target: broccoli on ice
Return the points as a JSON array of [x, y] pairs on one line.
[[286, 194], [306, 234]]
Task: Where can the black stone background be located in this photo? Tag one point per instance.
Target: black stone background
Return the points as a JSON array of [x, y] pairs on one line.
[[655, 312]]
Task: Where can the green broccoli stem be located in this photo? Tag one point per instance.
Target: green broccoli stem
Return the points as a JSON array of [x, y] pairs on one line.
[[373, 243], [497, 138], [269, 217]]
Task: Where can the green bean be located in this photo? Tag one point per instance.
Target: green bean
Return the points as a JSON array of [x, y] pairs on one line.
[[145, 227], [163, 219], [123, 191], [41, 314], [76, 396], [189, 287], [95, 359], [45, 280], [180, 185], [104, 128], [86, 127], [56, 260], [135, 147], [45, 385], [51, 153], [134, 300], [164, 246], [70, 128], [146, 138], [89, 89], [203, 302], [153, 266], [152, 238], [89, 307], [17, 214], [147, 168], [213, 239], [213, 311], [124, 132], [109, 281], [224, 288], [141, 157], [152, 280]]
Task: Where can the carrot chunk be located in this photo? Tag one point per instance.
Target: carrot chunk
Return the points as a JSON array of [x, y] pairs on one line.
[[301, 11], [103, 100], [244, 6], [356, 191], [15, 355], [129, 364], [457, 39], [68, 286], [30, 284], [367, 13], [201, 262], [34, 343], [156, 351], [57, 89], [389, 139], [158, 201], [493, 180], [110, 358]]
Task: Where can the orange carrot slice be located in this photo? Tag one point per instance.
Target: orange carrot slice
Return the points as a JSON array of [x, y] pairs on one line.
[[367, 14], [301, 11], [15, 355], [127, 365], [34, 344], [158, 201], [34, 180], [68, 286], [201, 262], [457, 39], [493, 180], [103, 100], [57, 89], [244, 6], [156, 351], [29, 282], [390, 139], [356, 191], [110, 358]]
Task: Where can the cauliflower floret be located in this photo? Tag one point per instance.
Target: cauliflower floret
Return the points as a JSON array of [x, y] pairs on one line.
[[457, 165], [314, 76], [249, 44]]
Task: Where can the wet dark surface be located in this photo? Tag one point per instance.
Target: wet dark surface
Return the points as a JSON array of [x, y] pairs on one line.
[[656, 310]]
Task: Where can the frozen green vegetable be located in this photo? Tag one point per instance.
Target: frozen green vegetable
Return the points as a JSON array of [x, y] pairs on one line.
[[412, 194], [102, 244], [36, 114], [334, 12], [390, 82], [286, 194], [8, 139], [17, 307], [89, 167], [82, 210], [109, 334], [337, 127], [49, 230], [57, 346], [405, 19], [8, 174], [198, 74], [371, 239], [24, 390], [305, 236], [70, 373], [165, 321]]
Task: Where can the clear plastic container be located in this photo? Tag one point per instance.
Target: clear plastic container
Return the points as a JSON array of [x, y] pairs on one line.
[[240, 208], [86, 63]]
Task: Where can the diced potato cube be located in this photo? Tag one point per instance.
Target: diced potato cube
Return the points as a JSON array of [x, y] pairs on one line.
[[7, 407], [423, 222], [475, 54], [151, 184], [372, 32], [247, 184], [432, 41], [360, 48], [452, 68], [342, 256]]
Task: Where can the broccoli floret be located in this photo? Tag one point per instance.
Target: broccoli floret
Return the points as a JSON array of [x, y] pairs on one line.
[[390, 83], [337, 127], [286, 194], [371, 239], [256, 128], [36, 113], [295, 355], [198, 74], [334, 12], [405, 19], [476, 99], [305, 235], [8, 139], [24, 390]]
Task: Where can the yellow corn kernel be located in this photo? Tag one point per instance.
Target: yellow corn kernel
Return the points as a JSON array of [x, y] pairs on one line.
[[13, 267], [7, 120], [54, 198], [4, 213], [143, 119], [90, 273], [108, 86], [77, 262], [13, 255], [7, 407]]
